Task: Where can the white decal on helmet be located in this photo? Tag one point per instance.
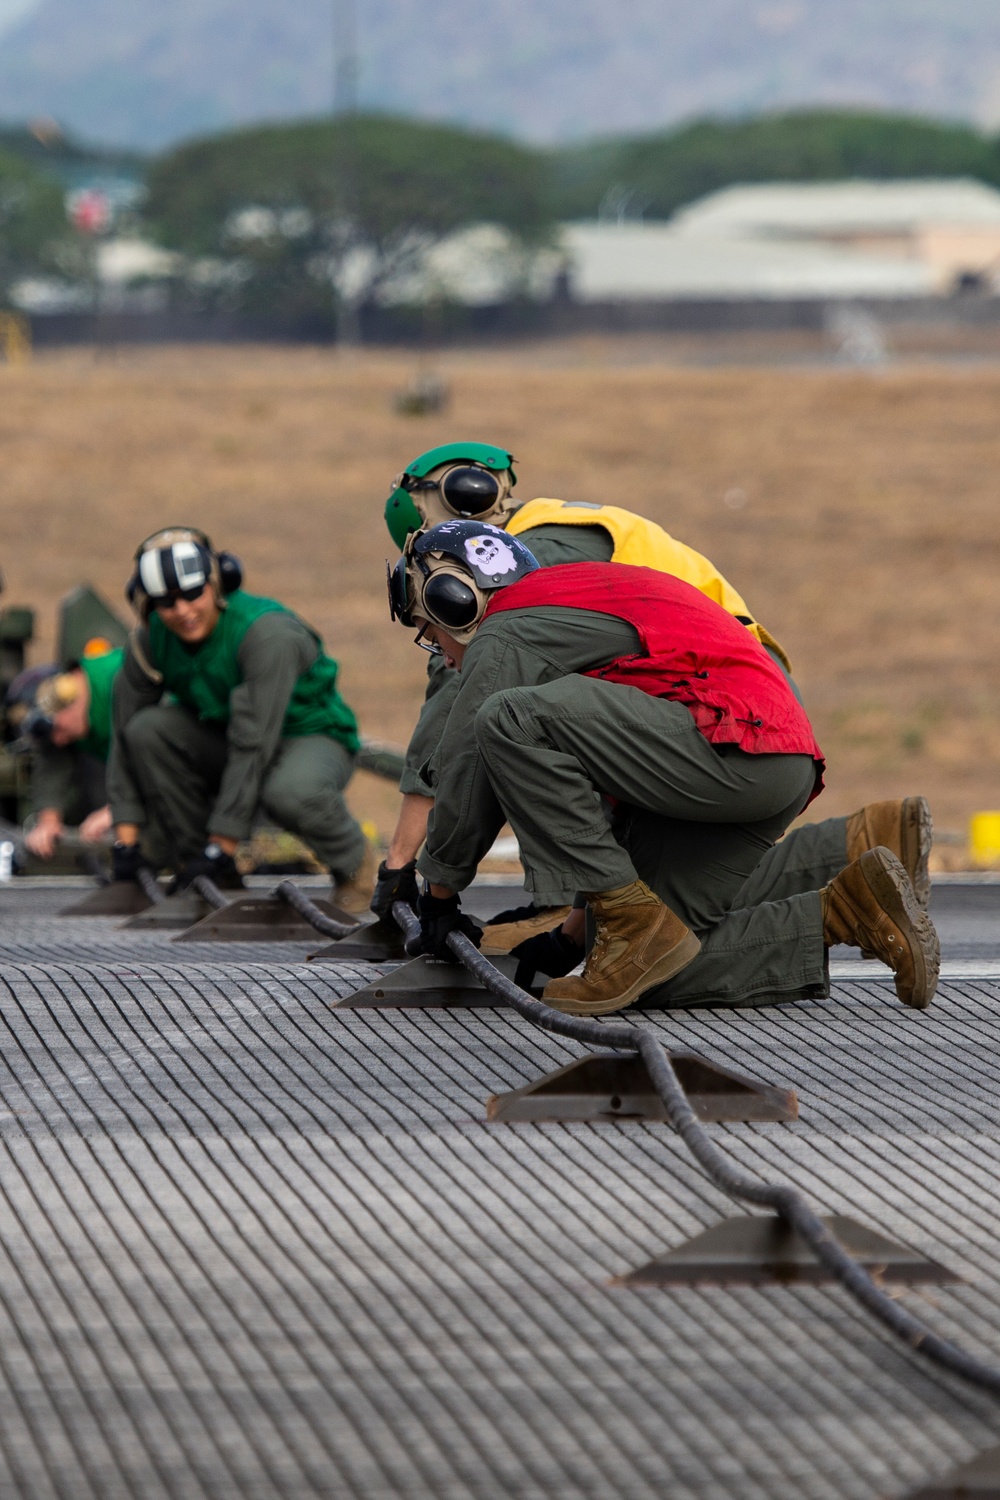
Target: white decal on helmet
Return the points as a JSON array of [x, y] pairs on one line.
[[151, 575], [188, 565], [491, 555]]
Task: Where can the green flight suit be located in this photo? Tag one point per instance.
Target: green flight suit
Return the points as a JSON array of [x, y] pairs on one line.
[[71, 778], [531, 741], [806, 859], [252, 720]]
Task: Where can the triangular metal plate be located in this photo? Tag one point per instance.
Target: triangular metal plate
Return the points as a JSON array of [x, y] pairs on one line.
[[602, 1087], [378, 943], [979, 1479], [175, 912], [122, 898], [424, 982], [258, 918], [752, 1250]]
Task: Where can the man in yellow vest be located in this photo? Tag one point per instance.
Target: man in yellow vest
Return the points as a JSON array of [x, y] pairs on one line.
[[476, 481]]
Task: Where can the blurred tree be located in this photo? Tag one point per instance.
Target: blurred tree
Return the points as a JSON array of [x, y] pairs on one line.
[[651, 176], [282, 216], [34, 233]]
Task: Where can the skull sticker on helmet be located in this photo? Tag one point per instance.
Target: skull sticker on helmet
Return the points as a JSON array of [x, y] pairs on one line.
[[491, 556]]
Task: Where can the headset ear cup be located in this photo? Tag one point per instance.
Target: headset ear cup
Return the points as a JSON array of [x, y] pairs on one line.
[[451, 602], [230, 572]]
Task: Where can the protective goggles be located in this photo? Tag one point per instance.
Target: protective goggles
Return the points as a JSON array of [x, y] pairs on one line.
[[464, 490], [169, 600]]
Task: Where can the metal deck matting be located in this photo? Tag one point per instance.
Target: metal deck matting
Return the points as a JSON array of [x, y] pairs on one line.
[[251, 1246], [31, 932]]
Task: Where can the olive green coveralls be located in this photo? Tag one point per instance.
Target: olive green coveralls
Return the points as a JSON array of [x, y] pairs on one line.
[[807, 859], [532, 742], [180, 777], [72, 778]]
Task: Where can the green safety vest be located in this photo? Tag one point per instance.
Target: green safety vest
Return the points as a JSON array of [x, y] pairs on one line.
[[100, 672], [202, 677]]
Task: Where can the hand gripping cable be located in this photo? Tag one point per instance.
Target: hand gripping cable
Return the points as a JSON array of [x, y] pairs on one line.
[[784, 1199]]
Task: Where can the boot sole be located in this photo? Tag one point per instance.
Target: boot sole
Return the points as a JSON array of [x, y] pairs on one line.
[[502, 938], [891, 886], [659, 972], [917, 842]]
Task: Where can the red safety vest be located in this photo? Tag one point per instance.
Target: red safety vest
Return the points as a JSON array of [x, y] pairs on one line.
[[693, 653]]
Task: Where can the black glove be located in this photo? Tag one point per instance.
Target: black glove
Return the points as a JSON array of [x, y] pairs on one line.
[[394, 885], [550, 953], [439, 916], [127, 860], [219, 867]]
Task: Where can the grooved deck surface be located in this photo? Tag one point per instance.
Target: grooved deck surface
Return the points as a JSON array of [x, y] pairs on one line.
[[254, 1247]]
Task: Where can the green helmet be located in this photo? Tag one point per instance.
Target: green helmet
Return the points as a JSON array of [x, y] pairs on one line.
[[476, 482]]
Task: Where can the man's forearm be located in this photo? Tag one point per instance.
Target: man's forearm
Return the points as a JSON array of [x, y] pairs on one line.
[[411, 830]]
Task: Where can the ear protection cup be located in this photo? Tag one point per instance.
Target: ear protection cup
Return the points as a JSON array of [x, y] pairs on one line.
[[470, 492], [398, 586], [450, 602], [230, 572]]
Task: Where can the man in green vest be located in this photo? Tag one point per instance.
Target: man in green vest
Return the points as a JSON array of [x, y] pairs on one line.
[[66, 717], [226, 703]]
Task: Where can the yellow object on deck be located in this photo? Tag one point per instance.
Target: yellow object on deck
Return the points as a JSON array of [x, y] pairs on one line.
[[15, 338], [984, 838]]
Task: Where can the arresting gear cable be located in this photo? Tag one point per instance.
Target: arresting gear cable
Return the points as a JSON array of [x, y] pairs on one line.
[[288, 891], [209, 891], [785, 1200], [150, 886]]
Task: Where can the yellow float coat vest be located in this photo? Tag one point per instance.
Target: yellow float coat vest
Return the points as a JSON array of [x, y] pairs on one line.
[[643, 544]]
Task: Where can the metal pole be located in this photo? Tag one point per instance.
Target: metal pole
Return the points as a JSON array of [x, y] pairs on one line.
[[345, 106]]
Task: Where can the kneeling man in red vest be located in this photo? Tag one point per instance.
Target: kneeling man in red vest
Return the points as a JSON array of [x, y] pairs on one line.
[[640, 740]]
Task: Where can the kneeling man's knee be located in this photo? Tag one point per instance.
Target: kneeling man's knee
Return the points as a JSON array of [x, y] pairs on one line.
[[144, 729], [500, 720]]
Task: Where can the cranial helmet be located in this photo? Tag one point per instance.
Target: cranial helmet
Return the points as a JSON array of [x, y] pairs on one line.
[[179, 561], [34, 698], [456, 480], [447, 574]]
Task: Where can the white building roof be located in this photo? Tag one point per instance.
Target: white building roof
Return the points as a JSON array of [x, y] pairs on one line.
[[808, 208], [655, 262]]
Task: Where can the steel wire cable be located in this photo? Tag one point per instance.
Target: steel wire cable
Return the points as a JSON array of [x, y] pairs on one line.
[[784, 1199], [209, 891], [288, 891], [150, 886]]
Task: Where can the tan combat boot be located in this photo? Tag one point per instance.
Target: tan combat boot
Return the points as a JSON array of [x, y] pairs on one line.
[[906, 828], [501, 937], [639, 944], [353, 895], [871, 905]]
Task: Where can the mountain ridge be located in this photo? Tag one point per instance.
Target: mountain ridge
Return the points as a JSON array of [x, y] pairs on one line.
[[545, 70]]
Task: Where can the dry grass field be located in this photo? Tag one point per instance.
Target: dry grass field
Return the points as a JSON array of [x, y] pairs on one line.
[[856, 511]]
